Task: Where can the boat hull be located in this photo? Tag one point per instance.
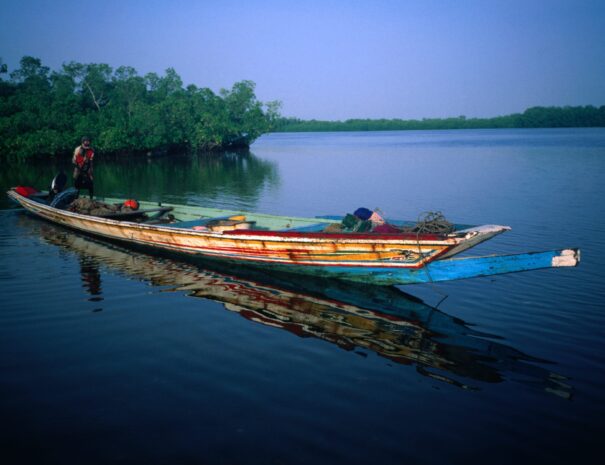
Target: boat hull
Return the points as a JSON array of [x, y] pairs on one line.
[[383, 259]]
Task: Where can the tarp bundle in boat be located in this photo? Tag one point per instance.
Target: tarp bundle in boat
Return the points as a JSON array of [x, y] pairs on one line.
[[365, 220], [25, 191]]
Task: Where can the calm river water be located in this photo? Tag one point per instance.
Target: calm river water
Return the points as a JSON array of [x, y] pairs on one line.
[[110, 355]]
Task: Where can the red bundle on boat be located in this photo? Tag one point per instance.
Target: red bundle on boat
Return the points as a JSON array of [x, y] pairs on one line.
[[25, 191], [131, 203]]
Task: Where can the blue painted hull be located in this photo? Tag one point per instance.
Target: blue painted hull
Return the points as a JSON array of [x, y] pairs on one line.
[[446, 270]]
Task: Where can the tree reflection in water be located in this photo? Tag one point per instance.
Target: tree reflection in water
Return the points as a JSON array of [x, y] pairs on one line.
[[229, 178]]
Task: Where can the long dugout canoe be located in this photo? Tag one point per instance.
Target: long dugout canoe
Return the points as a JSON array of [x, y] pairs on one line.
[[286, 244]]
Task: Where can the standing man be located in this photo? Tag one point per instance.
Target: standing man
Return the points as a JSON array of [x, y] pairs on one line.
[[82, 159]]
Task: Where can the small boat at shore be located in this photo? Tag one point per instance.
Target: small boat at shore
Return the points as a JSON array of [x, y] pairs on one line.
[[313, 246]]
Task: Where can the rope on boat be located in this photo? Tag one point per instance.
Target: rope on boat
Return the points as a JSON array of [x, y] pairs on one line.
[[431, 223]]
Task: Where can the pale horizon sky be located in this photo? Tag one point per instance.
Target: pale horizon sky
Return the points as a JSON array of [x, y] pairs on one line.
[[336, 59]]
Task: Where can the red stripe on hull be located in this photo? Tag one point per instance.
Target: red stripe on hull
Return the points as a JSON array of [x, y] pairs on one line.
[[353, 235]]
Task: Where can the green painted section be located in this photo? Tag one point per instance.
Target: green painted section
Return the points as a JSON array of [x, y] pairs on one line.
[[263, 221]]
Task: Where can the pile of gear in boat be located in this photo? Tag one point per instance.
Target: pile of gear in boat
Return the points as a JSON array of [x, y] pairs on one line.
[[365, 220], [97, 208], [128, 210]]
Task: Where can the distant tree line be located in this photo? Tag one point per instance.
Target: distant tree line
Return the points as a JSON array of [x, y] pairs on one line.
[[44, 112], [535, 117]]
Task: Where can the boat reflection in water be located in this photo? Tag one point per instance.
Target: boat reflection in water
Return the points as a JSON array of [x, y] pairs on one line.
[[381, 319]]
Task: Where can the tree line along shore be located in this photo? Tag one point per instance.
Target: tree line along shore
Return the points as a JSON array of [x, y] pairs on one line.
[[45, 113], [535, 117]]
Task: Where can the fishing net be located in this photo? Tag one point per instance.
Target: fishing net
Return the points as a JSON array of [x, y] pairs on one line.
[[431, 223]]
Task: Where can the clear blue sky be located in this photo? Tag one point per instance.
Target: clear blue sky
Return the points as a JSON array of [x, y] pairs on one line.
[[336, 59]]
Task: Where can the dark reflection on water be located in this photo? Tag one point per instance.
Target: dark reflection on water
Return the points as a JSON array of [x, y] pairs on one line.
[[91, 277], [220, 179], [384, 320]]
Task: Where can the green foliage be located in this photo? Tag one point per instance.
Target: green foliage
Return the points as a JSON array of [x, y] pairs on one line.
[[46, 113], [536, 117]]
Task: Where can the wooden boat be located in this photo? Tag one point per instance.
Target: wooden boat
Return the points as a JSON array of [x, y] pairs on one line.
[[300, 245], [355, 317]]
